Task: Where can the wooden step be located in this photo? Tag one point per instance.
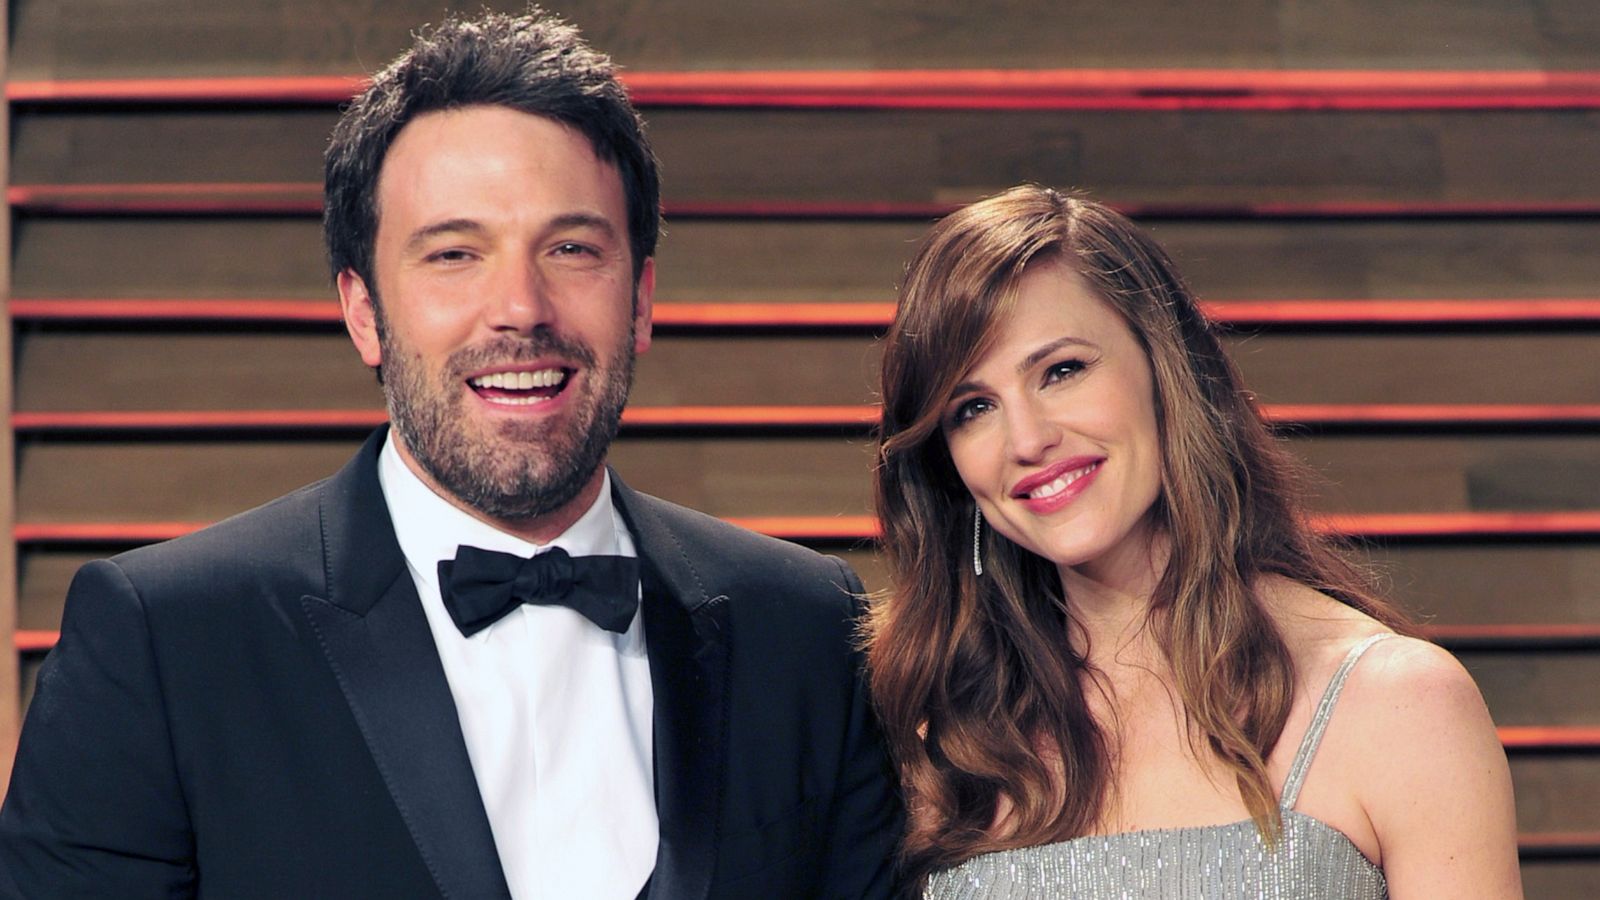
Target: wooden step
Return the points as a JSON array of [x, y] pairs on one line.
[[744, 461], [1472, 591], [71, 39], [710, 261], [918, 163], [296, 367], [1537, 688]]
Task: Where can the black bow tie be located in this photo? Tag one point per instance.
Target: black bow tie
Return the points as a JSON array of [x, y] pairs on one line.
[[481, 586]]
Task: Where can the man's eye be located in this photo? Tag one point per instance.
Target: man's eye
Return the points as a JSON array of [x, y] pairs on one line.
[[452, 255], [569, 248]]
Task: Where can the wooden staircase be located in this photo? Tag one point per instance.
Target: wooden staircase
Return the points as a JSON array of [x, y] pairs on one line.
[[1395, 210]]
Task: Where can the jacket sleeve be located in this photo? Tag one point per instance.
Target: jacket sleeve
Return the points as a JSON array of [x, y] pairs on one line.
[[868, 817], [95, 807]]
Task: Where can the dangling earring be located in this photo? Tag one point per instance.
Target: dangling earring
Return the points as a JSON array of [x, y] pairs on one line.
[[977, 540]]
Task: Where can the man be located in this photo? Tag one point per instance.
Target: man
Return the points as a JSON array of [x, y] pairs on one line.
[[344, 694]]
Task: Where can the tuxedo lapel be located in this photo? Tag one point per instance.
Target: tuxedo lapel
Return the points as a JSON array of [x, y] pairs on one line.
[[686, 636], [376, 637]]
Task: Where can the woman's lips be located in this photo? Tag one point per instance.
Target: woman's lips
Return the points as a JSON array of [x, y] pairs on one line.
[[1056, 486]]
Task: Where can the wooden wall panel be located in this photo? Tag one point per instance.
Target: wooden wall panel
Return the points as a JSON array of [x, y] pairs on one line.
[[920, 156], [1537, 689], [1368, 367], [777, 260], [742, 157], [1574, 878], [44, 575], [99, 145], [241, 368], [1455, 584], [253, 367], [110, 479], [103, 38], [1494, 583], [1437, 473], [116, 256], [121, 481], [1560, 791], [201, 480]]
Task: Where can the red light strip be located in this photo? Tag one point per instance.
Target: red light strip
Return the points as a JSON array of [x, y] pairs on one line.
[[1559, 844], [1514, 737], [1042, 89], [847, 314], [1584, 524], [291, 419], [690, 417], [305, 198], [1561, 634]]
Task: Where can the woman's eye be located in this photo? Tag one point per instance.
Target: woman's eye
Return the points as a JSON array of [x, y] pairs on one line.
[[968, 411], [1063, 370]]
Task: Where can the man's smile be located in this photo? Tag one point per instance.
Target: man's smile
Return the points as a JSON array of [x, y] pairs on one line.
[[514, 387]]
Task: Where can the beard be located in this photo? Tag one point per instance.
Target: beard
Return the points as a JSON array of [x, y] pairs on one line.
[[506, 470]]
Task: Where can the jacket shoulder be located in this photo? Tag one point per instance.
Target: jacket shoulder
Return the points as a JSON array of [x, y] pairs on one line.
[[281, 537]]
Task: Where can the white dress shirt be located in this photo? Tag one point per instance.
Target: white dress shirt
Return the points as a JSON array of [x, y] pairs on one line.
[[556, 711]]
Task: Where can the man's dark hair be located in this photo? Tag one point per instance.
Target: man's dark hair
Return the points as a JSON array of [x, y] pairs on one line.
[[533, 63]]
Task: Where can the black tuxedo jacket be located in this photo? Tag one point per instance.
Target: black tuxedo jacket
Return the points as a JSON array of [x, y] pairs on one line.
[[258, 710]]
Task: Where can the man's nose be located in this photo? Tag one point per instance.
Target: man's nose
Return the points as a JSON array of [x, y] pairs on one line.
[[521, 300]]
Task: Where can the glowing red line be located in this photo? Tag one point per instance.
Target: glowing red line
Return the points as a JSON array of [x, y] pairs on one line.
[[848, 314], [1144, 89], [306, 198], [852, 528]]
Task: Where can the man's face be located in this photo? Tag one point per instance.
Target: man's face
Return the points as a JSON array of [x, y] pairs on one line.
[[505, 313]]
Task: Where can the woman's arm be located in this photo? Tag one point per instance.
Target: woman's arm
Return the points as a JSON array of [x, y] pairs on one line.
[[1439, 790]]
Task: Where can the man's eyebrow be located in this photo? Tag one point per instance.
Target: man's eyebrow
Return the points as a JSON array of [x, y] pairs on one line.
[[448, 226], [474, 227], [584, 220]]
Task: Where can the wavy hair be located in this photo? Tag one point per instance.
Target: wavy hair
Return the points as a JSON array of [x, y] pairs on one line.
[[973, 676]]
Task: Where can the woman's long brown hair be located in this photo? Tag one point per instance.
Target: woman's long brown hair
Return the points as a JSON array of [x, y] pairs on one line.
[[973, 675]]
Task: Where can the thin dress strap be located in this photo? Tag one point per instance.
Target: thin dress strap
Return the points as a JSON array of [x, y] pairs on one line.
[[1319, 721]]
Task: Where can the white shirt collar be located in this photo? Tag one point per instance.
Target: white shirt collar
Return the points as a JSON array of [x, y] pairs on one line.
[[430, 528]]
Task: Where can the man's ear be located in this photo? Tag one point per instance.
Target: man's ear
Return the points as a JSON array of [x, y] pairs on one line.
[[644, 294], [360, 317]]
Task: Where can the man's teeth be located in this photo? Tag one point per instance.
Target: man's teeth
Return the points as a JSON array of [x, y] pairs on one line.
[[1060, 484], [521, 381]]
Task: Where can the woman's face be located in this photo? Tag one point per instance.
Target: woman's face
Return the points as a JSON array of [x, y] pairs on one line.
[[1054, 429]]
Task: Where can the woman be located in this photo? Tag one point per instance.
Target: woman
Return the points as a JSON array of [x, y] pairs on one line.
[[1111, 626]]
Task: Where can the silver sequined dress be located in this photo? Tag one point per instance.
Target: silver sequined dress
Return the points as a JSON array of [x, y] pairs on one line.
[[1218, 862]]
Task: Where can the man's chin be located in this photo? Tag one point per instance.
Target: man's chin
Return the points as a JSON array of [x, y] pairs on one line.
[[513, 494]]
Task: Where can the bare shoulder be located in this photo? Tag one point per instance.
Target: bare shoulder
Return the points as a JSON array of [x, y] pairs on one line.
[[1398, 675], [1433, 779], [1410, 683], [1318, 630], [1411, 767]]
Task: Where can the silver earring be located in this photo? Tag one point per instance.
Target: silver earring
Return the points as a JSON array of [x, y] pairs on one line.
[[977, 540]]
